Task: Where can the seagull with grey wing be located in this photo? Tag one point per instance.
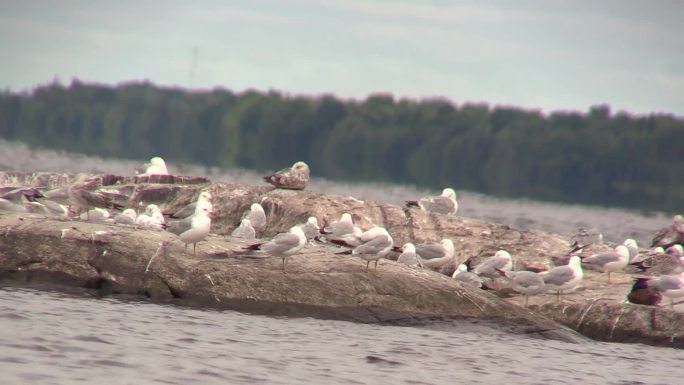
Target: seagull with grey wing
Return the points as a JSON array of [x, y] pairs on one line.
[[436, 255], [563, 278], [310, 228], [256, 216], [204, 199], [192, 229], [373, 245], [244, 231], [292, 178], [466, 277], [409, 257], [83, 194], [525, 282], [444, 204], [671, 286], [283, 245], [610, 261], [343, 230]]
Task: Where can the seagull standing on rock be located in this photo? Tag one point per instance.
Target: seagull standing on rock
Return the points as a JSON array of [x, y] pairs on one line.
[[564, 278], [610, 261], [374, 244], [443, 204], [292, 178], [310, 228], [283, 244], [464, 276], [204, 199], [192, 229], [525, 282]]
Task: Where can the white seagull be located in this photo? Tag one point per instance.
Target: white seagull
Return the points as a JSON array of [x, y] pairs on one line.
[[256, 216], [409, 257], [610, 261], [156, 166], [436, 255], [204, 199], [375, 244], [464, 276], [671, 286], [564, 278], [310, 228], [343, 230], [526, 282], [192, 229], [244, 231], [444, 204], [283, 244]]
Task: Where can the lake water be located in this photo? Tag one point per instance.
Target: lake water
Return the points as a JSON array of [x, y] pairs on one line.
[[55, 338], [49, 337]]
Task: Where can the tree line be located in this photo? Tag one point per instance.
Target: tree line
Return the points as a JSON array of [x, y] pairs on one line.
[[597, 157]]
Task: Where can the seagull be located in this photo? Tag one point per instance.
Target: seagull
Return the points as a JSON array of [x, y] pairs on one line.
[[82, 194], [283, 244], [490, 267], [436, 255], [310, 228], [256, 216], [564, 278], [97, 214], [127, 217], [51, 207], [409, 257], [375, 244], [670, 261], [464, 276], [204, 199], [633, 248], [293, 178], [671, 286], [192, 229], [525, 282], [156, 166], [244, 231], [610, 261], [343, 230], [444, 204], [670, 235]]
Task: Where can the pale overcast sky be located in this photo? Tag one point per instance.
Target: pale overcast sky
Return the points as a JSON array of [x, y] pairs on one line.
[[538, 54]]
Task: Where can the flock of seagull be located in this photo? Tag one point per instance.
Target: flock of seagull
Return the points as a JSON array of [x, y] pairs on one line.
[[192, 224]]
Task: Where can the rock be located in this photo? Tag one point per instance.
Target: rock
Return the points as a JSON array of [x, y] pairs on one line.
[[115, 259]]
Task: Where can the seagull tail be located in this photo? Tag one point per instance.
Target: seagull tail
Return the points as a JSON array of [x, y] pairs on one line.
[[340, 242], [396, 248], [346, 252], [412, 204], [502, 272], [256, 246]]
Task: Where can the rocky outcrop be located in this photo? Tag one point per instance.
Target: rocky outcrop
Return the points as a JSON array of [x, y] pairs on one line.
[[122, 259]]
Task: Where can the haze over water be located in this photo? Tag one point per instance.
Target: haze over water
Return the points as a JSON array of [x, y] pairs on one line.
[[616, 224]]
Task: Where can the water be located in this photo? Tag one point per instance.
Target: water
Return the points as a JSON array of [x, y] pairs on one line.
[[55, 338], [615, 224]]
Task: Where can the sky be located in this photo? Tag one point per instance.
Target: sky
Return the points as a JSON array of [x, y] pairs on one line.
[[547, 55]]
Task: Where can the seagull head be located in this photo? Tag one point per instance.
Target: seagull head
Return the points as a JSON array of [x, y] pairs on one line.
[[301, 167], [630, 242], [408, 247], [245, 223], [313, 221], [449, 193], [256, 207], [204, 195]]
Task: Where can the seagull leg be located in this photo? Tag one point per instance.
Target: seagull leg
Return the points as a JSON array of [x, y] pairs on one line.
[[609, 277], [194, 249], [527, 297], [376, 264], [186, 248], [284, 261], [367, 263]]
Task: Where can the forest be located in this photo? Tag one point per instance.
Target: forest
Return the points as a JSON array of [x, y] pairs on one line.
[[595, 157]]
